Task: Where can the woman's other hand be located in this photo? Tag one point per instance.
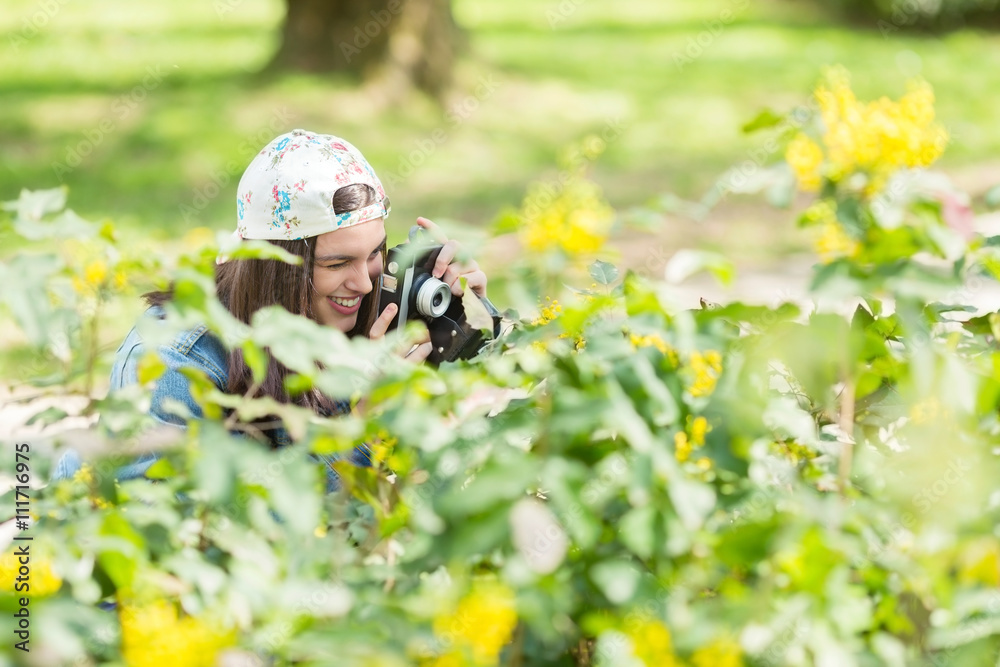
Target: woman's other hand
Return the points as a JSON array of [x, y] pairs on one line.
[[447, 269], [415, 349]]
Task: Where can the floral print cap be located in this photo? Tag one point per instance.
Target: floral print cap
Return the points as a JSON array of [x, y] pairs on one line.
[[287, 191]]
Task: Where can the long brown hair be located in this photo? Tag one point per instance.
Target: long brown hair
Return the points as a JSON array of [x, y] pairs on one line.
[[246, 286]]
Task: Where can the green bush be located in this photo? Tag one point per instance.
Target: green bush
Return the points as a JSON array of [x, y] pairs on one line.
[[618, 481]]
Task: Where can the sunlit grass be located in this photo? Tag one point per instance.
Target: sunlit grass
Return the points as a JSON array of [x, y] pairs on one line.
[[203, 110]]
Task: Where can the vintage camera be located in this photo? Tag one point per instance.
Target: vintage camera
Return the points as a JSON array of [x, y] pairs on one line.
[[407, 282]]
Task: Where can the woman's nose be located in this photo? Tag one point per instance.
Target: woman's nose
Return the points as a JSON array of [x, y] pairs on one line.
[[361, 282]]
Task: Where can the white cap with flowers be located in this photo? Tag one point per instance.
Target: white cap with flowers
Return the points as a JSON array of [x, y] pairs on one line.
[[287, 191]]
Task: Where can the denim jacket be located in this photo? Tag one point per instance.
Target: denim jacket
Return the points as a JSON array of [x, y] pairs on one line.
[[196, 348]]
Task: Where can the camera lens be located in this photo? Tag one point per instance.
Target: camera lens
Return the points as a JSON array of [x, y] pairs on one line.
[[433, 297]]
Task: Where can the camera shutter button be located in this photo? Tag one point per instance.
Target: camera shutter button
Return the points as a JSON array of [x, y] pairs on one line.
[[393, 267]]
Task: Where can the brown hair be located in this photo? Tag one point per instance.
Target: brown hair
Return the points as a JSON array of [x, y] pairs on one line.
[[246, 286]]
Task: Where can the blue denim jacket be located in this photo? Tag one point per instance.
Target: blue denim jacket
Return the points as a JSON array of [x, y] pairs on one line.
[[196, 348]]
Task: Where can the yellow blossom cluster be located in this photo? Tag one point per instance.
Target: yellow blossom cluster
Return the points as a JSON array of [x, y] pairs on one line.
[[550, 311], [655, 341], [652, 643], [794, 451], [927, 410], [830, 239], [874, 138], [85, 476], [805, 157], [685, 444], [153, 635], [705, 368], [42, 579], [832, 242], [720, 653], [571, 217], [482, 624], [979, 563]]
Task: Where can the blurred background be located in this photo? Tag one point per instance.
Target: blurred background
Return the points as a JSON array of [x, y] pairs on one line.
[[149, 111]]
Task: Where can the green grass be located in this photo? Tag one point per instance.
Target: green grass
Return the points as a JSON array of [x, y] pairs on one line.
[[211, 110]]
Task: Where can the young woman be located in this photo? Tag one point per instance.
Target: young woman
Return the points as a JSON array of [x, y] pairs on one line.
[[315, 196]]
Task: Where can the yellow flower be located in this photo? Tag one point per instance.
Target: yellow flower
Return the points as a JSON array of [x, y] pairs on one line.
[[685, 445], [483, 622], [699, 427], [980, 563], [706, 368], [382, 449], [720, 653], [925, 411], [85, 475], [653, 340], [450, 659], [820, 211], [805, 157], [877, 137], [549, 313], [832, 242], [153, 635], [95, 272], [120, 280], [39, 576], [651, 643], [572, 218], [682, 446]]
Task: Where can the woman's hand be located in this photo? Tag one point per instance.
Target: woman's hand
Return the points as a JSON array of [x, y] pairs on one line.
[[415, 350], [447, 270]]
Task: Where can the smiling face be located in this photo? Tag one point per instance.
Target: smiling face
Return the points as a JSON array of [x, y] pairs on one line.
[[346, 266]]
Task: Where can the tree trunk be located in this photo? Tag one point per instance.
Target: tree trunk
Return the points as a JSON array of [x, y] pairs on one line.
[[400, 43]]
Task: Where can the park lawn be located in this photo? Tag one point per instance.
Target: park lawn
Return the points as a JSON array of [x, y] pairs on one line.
[[149, 112]]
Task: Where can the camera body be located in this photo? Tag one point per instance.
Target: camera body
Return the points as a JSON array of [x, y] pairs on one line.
[[407, 281]]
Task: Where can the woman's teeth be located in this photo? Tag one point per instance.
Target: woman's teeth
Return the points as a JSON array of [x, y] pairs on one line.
[[347, 303]]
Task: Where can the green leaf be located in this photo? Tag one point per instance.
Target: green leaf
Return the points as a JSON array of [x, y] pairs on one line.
[[121, 549], [765, 119], [692, 500], [256, 360], [636, 530], [33, 205], [686, 263], [150, 368], [603, 272], [617, 579], [162, 469], [30, 303], [49, 415], [296, 384], [509, 220]]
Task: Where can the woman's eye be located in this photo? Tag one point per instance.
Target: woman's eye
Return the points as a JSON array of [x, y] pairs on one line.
[[338, 265]]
